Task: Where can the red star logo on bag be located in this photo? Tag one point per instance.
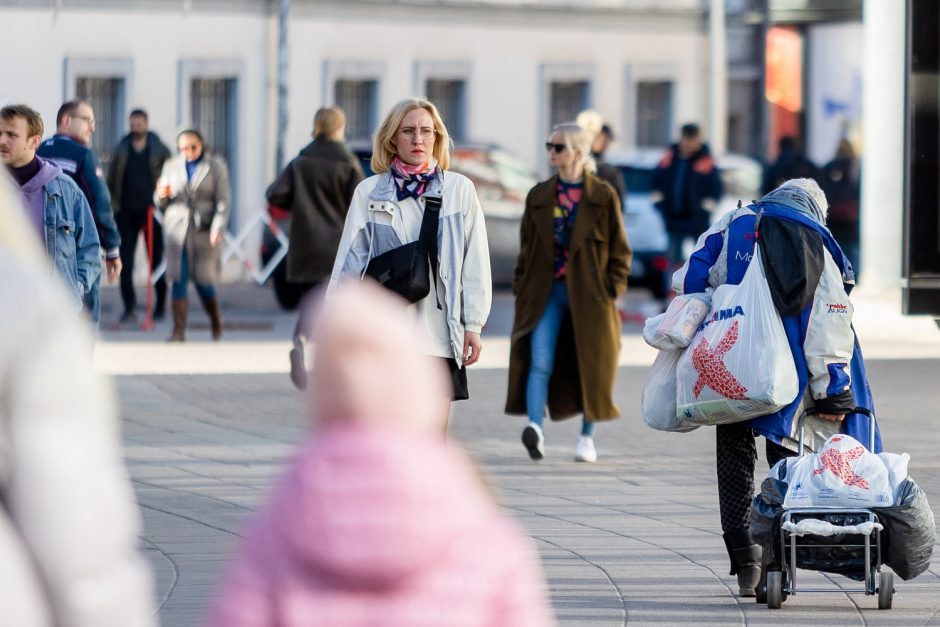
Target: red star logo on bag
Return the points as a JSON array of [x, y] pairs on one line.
[[837, 462], [712, 370]]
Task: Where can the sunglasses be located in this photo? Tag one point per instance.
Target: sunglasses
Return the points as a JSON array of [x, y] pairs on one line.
[[555, 147]]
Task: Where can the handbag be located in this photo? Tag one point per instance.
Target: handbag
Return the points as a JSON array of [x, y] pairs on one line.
[[407, 269]]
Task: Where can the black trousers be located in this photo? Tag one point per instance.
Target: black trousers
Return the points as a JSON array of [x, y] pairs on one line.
[[736, 456], [130, 223]]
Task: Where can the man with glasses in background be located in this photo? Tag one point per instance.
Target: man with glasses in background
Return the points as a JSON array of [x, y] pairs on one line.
[[68, 148]]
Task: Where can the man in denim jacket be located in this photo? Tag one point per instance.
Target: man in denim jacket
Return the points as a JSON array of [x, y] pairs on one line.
[[55, 205]]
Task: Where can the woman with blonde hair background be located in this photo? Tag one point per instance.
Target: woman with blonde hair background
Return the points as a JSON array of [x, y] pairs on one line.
[[411, 156], [573, 265]]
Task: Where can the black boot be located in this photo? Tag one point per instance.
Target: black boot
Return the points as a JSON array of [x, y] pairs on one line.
[[159, 308], [745, 557]]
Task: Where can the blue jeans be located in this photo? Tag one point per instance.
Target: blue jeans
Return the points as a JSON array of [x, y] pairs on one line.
[[544, 341], [206, 291]]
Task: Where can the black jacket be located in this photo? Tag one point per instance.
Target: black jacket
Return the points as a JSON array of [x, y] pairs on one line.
[[316, 188], [159, 153], [681, 205]]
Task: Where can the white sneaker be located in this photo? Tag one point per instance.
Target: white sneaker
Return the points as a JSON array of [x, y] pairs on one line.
[[585, 451], [534, 441]]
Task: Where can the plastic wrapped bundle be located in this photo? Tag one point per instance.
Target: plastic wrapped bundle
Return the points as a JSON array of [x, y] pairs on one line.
[[910, 531]]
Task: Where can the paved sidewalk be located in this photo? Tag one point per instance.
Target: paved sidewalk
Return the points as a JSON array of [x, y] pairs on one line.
[[632, 539]]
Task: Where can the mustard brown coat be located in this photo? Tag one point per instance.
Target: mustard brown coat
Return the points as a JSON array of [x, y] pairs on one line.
[[585, 365]]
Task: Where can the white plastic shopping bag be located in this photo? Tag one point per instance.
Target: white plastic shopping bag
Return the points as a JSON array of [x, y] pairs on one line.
[[675, 328], [842, 474], [897, 469], [659, 394], [739, 365]]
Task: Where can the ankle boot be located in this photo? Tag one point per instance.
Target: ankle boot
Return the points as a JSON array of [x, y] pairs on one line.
[[745, 557], [211, 306], [180, 307]]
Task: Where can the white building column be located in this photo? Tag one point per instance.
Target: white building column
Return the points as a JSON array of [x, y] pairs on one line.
[[883, 164], [718, 78]]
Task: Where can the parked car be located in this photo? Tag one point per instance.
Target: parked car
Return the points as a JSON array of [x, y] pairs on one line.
[[646, 230]]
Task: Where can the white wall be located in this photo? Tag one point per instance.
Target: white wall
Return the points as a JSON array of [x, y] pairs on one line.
[[506, 53], [834, 100]]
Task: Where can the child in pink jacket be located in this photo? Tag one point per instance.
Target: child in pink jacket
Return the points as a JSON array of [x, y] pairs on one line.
[[379, 521]]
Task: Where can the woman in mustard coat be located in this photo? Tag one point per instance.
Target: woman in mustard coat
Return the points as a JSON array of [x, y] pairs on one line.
[[573, 265]]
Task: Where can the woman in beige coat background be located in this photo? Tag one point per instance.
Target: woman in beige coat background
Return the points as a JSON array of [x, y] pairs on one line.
[[195, 196], [573, 265]]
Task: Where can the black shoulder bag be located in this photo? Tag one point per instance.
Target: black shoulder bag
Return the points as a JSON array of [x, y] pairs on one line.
[[406, 270]]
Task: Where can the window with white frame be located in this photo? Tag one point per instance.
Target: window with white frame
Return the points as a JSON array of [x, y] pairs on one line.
[[653, 112], [449, 96], [566, 100], [210, 99], [359, 101], [213, 104], [106, 97]]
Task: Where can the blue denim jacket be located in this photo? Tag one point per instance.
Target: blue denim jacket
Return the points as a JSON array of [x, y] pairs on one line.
[[70, 234]]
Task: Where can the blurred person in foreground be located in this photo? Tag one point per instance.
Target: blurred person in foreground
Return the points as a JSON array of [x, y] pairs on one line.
[[378, 521], [68, 523], [132, 178], [55, 206], [686, 189], [411, 155], [315, 189], [602, 135], [809, 279], [195, 195], [572, 267], [68, 148]]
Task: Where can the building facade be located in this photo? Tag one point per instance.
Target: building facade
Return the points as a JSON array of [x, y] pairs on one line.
[[502, 71]]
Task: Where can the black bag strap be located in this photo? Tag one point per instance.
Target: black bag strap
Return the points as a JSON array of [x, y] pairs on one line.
[[427, 238]]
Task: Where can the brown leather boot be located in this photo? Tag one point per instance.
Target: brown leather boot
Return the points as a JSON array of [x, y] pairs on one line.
[[211, 306], [180, 307]]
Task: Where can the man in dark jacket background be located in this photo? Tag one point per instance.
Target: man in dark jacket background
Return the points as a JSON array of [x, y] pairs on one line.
[[132, 178], [688, 186], [791, 163], [68, 149], [316, 189]]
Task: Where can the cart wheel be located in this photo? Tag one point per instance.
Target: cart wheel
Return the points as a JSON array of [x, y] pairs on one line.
[[774, 589], [885, 590]]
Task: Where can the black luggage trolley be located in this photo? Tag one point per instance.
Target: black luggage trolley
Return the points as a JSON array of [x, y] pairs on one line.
[[860, 555]]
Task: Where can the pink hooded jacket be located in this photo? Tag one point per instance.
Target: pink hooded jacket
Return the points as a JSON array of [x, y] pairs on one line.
[[379, 521]]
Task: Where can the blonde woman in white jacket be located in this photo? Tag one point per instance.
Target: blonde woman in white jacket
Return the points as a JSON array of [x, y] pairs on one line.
[[411, 157], [68, 523]]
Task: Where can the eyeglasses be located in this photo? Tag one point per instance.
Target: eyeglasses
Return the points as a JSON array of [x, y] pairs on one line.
[[559, 148], [88, 118], [426, 133]]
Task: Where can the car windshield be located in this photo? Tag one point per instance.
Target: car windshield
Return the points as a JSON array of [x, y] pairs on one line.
[[742, 183], [493, 170]]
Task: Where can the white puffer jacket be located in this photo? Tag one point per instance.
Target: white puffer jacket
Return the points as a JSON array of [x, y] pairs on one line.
[[68, 523]]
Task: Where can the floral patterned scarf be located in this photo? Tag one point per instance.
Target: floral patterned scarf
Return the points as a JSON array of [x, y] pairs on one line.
[[412, 180]]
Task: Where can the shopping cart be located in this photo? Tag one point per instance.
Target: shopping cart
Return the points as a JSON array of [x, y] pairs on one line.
[[856, 554]]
